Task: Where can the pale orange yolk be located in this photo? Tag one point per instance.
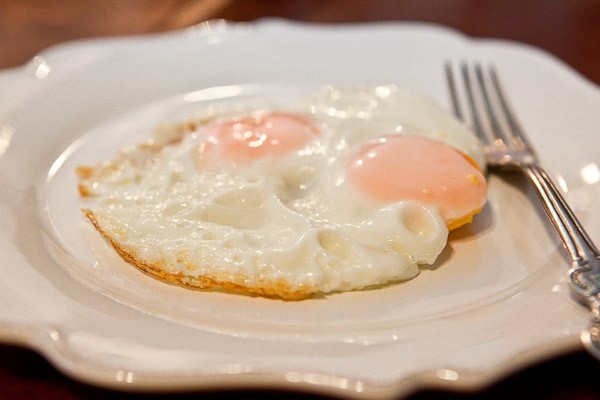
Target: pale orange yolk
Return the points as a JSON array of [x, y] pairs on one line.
[[401, 167], [263, 134]]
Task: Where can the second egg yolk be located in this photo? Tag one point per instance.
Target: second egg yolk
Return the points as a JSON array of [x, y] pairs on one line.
[[399, 167]]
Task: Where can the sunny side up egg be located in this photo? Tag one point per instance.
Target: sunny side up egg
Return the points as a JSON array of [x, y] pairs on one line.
[[352, 187]]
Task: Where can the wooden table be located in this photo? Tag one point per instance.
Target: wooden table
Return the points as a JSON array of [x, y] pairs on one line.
[[568, 29]]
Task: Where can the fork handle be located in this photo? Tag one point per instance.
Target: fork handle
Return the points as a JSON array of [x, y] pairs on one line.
[[578, 243], [585, 258], [584, 274]]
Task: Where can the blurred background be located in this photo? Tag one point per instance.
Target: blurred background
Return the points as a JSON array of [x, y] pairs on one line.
[[569, 29]]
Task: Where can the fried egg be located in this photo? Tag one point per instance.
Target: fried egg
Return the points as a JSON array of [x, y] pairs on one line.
[[348, 189]]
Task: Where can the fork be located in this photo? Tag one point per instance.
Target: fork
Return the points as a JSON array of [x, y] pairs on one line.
[[506, 146]]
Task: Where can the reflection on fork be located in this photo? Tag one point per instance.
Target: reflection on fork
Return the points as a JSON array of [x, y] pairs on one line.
[[507, 146]]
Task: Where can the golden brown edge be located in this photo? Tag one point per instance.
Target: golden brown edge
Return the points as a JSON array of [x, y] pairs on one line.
[[278, 289]]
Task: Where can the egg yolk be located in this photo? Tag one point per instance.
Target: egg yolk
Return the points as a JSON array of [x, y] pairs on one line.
[[262, 134], [398, 167]]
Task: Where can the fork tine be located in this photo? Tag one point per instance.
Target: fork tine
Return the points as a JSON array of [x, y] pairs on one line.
[[515, 127], [491, 116], [472, 98], [456, 109], [500, 132], [478, 120], [456, 106]]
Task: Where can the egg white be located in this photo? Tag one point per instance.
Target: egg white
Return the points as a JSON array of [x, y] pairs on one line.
[[285, 226]]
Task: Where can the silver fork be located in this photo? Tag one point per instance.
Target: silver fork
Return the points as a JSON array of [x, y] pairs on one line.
[[506, 146]]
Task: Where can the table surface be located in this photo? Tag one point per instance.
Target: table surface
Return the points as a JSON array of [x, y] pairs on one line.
[[568, 29]]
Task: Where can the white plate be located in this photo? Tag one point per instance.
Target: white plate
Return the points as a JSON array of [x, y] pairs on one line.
[[496, 301]]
